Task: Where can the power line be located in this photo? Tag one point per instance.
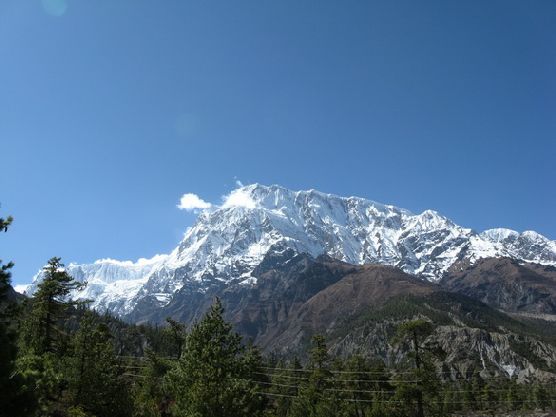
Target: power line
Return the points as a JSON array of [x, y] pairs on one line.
[[360, 391], [356, 390], [335, 380], [332, 372], [381, 400], [340, 381], [325, 389], [386, 373], [385, 380], [271, 383], [386, 376], [270, 394]]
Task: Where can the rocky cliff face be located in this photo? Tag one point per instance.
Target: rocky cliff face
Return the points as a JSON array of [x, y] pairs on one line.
[[227, 244]]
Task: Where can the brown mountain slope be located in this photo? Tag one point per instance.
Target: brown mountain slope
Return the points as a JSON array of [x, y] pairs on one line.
[[358, 309], [507, 284], [367, 287]]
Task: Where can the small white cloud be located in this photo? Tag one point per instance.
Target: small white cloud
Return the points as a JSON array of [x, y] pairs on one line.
[[239, 183], [238, 198], [190, 201]]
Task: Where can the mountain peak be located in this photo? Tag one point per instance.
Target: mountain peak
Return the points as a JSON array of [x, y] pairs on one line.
[[227, 243], [274, 197]]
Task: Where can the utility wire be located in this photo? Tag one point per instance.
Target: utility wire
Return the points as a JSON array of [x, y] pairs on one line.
[[386, 379], [357, 390], [270, 394], [386, 373], [274, 384]]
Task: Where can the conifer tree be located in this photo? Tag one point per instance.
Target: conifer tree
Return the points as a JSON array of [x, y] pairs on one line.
[[284, 385], [213, 377], [366, 377], [13, 402], [488, 398], [177, 330], [512, 397], [41, 333], [541, 397], [43, 343], [5, 269], [96, 384], [150, 397], [7, 345], [415, 332], [314, 400]]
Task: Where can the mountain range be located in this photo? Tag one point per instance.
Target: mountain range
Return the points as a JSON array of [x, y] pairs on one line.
[[227, 243], [290, 264]]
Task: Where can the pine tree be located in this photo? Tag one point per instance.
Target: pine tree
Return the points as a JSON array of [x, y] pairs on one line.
[[415, 332], [542, 398], [250, 363], [150, 396], [314, 400], [7, 345], [5, 269], [284, 385], [43, 344], [96, 384], [14, 402], [488, 398], [41, 333], [366, 377], [512, 396], [213, 376], [177, 331]]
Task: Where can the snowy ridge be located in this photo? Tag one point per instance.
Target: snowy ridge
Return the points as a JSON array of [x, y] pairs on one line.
[[111, 284], [226, 243]]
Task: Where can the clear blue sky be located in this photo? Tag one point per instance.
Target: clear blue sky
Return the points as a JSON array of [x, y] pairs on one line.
[[110, 110]]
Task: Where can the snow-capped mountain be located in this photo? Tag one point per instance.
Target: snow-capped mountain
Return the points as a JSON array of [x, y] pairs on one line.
[[111, 284], [226, 244]]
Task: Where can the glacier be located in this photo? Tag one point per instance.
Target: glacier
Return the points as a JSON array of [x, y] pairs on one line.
[[227, 242]]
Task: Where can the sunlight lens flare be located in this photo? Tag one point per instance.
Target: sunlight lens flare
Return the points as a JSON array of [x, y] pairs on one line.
[[55, 7]]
